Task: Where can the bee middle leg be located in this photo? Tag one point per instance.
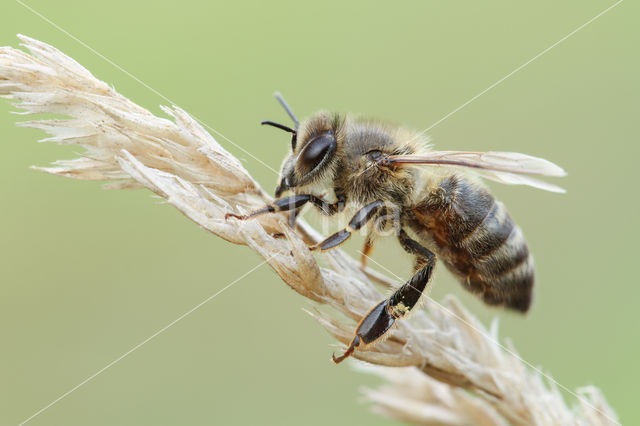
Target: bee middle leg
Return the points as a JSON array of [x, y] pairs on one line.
[[367, 249], [377, 322], [359, 219]]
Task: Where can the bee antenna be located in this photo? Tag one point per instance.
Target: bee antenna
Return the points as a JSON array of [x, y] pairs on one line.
[[293, 132], [287, 108], [278, 125]]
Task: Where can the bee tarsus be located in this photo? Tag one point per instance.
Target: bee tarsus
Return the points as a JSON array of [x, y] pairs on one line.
[[377, 322], [293, 202], [361, 218]]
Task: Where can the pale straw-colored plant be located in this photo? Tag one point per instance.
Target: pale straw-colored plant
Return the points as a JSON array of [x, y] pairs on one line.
[[442, 365]]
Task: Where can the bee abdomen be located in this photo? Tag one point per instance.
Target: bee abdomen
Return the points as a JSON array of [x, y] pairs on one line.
[[481, 244], [506, 274]]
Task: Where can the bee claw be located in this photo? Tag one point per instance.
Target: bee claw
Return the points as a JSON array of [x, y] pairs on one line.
[[338, 359], [228, 215], [352, 346]]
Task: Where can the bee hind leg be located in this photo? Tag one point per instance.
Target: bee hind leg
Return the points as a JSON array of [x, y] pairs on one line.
[[371, 328], [406, 297], [377, 322]]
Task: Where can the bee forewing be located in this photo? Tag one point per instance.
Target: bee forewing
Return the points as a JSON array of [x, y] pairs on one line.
[[515, 179], [504, 167], [512, 162]]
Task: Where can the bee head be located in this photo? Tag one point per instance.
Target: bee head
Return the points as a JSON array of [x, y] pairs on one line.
[[313, 146], [311, 155]]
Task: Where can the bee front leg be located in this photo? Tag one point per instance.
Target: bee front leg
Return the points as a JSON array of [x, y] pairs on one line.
[[377, 322], [293, 202], [283, 204], [361, 217]]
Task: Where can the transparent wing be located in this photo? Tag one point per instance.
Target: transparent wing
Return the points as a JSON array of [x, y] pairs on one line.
[[510, 168]]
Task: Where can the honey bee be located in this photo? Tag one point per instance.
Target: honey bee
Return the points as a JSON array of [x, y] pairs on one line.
[[434, 201]]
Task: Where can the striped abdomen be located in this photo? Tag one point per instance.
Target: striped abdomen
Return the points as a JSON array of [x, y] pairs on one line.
[[479, 242]]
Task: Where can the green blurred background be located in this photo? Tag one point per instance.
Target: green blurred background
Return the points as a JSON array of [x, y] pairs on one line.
[[86, 274]]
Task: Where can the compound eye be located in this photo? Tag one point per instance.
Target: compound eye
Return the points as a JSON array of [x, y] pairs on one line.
[[319, 149]]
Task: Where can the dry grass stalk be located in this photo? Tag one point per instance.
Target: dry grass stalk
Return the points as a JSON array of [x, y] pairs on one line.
[[451, 372]]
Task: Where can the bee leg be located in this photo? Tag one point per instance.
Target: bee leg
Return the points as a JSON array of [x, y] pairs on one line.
[[283, 204], [377, 322], [359, 219], [293, 215], [370, 328], [292, 203], [406, 297], [367, 249]]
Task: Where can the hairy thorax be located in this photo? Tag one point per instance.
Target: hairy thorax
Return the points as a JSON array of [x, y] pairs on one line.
[[360, 177]]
